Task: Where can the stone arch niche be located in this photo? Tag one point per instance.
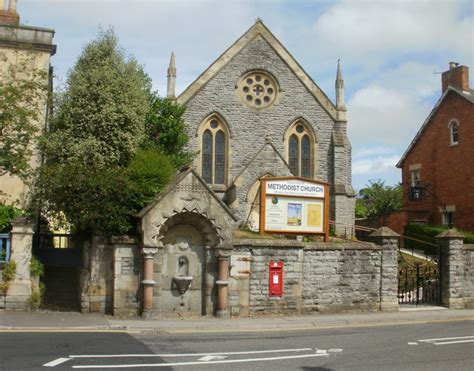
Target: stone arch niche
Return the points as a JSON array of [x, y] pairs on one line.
[[188, 265], [184, 233]]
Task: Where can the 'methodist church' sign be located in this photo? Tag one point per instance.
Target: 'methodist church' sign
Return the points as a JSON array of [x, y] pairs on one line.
[[294, 205]]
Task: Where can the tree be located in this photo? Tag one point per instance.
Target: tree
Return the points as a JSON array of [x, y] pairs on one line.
[[100, 116], [377, 199], [96, 174], [165, 129], [23, 96]]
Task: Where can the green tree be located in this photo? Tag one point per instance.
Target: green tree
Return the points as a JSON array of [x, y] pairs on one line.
[[165, 129], [377, 199], [100, 116], [96, 172], [23, 96]]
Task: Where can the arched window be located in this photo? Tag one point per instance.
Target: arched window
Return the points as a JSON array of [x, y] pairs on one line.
[[453, 132], [300, 146], [214, 151]]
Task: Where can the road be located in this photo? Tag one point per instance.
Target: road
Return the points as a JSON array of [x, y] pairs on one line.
[[445, 345]]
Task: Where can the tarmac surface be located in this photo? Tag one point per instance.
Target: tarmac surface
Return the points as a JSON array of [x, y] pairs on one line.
[[72, 321]]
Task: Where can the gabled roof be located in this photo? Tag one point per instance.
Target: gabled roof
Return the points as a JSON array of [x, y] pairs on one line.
[[173, 185], [259, 29], [468, 95]]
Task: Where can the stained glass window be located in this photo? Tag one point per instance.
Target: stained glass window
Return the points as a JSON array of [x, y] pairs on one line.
[[219, 169], [293, 152], [305, 157], [207, 156]]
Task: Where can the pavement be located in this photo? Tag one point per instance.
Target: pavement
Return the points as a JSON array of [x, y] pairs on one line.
[[43, 321]]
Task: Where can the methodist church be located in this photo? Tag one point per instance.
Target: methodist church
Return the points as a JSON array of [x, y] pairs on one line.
[[254, 113]]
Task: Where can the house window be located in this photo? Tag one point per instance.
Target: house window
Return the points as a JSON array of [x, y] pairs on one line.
[[454, 132], [214, 151], [415, 178], [447, 218], [300, 145]]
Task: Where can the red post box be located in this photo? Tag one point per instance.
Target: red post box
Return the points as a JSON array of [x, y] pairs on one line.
[[276, 278]]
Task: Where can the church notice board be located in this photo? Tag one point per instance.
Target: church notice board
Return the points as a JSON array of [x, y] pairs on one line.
[[294, 205]]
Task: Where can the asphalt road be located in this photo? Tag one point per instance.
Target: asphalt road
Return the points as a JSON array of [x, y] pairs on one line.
[[430, 346]]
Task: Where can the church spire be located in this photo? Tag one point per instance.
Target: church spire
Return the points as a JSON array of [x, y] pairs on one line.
[[340, 105], [170, 93]]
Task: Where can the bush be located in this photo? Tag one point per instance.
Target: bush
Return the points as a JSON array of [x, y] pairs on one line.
[[7, 214], [428, 234], [36, 267], [9, 274]]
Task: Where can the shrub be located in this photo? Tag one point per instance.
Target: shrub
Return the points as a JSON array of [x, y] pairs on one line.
[[36, 267], [9, 274], [428, 233]]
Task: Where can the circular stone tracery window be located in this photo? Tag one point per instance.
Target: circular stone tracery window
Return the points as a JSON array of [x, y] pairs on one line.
[[257, 89]]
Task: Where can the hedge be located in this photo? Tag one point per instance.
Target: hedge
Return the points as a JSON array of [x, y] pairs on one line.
[[428, 233]]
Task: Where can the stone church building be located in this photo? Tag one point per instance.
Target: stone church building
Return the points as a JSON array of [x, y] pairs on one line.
[[255, 112]]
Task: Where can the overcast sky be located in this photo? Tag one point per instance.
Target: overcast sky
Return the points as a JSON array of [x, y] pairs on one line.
[[392, 52]]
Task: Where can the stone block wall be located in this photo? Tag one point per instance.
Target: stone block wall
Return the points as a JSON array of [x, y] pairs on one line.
[[326, 277], [127, 291], [468, 275], [341, 277], [96, 281]]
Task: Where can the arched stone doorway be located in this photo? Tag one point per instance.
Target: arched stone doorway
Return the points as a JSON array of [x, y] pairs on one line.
[[188, 265]]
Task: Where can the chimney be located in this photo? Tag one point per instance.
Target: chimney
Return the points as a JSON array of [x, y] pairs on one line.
[[9, 16], [457, 76]]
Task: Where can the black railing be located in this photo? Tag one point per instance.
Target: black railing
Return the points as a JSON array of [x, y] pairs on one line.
[[419, 285]]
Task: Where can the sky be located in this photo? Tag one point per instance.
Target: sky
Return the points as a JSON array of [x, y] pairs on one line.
[[392, 52]]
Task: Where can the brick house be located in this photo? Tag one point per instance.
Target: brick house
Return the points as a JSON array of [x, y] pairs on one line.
[[438, 165]]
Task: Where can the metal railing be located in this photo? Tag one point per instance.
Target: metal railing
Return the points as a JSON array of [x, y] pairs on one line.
[[5, 247]]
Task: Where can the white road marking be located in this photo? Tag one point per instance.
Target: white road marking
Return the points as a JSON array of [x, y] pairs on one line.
[[211, 358], [190, 354], [454, 342], [321, 351], [451, 340], [204, 363], [336, 350], [454, 338], [412, 343], [56, 362]]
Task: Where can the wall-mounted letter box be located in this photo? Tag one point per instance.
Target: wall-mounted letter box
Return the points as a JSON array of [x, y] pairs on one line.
[[276, 278]]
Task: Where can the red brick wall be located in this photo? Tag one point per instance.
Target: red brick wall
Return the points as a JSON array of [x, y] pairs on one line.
[[449, 169]]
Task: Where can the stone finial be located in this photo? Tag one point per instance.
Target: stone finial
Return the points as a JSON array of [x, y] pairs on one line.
[[385, 232], [171, 87], [340, 105], [450, 233], [258, 20]]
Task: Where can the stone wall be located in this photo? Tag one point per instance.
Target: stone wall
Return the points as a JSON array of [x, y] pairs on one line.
[[326, 277], [468, 275]]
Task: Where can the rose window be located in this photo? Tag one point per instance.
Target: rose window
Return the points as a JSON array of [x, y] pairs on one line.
[[257, 89]]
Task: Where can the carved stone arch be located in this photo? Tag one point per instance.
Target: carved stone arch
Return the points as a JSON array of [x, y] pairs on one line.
[[301, 128], [213, 115], [206, 227]]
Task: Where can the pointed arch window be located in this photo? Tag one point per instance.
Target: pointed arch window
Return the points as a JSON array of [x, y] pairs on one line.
[[214, 152], [300, 144]]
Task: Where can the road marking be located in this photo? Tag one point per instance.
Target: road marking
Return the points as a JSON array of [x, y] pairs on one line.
[[336, 350], [204, 363], [450, 340], [56, 362], [453, 338], [412, 343], [211, 358], [190, 354]]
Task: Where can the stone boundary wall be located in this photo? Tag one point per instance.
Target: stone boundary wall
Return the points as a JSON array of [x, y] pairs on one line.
[[468, 275], [326, 277]]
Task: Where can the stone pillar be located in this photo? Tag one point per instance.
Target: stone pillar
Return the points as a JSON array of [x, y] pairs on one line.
[[222, 284], [388, 242], [19, 291], [12, 6], [451, 266], [148, 281]]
